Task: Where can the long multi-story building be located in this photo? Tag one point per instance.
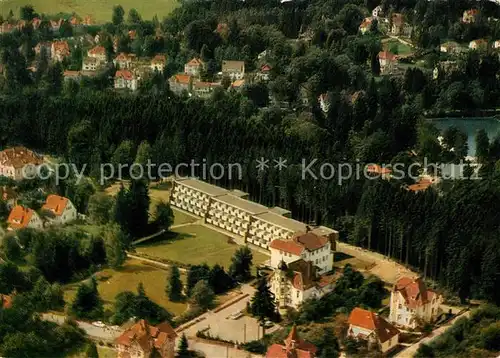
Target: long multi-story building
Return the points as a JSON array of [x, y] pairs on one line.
[[231, 211]]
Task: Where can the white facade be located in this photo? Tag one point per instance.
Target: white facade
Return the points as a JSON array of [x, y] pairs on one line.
[[377, 11], [370, 335], [407, 312], [67, 214], [121, 83], [90, 64]]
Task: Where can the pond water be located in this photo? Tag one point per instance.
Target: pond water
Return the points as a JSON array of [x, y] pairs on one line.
[[470, 126]]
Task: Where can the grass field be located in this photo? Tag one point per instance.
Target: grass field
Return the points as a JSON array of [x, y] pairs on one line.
[[195, 244], [111, 282], [100, 10], [402, 49]]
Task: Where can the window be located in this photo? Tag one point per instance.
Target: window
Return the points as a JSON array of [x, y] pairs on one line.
[[399, 317], [297, 294], [316, 261], [400, 306]]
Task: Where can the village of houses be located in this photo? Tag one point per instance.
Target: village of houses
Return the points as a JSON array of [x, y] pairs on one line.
[[398, 29], [300, 265]]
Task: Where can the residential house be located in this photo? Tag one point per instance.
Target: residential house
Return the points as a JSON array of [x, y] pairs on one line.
[[87, 21], [21, 218], [324, 102], [308, 246], [56, 24], [61, 208], [387, 61], [263, 54], [6, 27], [264, 73], [377, 170], [444, 67], [19, 163], [74, 21], [470, 16], [479, 44], [72, 75], [5, 301], [293, 346], [126, 79], [44, 46], [496, 44], [8, 195], [36, 23], [368, 326], [194, 67], [59, 50], [235, 70], [293, 283], [158, 63], [412, 303], [132, 34], [180, 83], [365, 25], [397, 24], [142, 339], [98, 52], [91, 64], [238, 85], [204, 89], [124, 60], [449, 47], [377, 12]]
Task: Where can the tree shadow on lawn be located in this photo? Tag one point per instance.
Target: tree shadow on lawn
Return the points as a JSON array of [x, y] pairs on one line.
[[167, 238], [340, 256]]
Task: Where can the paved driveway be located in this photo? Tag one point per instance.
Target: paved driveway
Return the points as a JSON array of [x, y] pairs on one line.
[[240, 330], [103, 333]]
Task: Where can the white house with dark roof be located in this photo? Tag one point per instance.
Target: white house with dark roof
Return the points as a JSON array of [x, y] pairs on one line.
[[412, 303], [307, 246], [235, 70], [373, 328]]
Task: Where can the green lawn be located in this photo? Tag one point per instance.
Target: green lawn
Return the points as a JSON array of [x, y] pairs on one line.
[[196, 244], [100, 10], [182, 218], [111, 282], [402, 49]]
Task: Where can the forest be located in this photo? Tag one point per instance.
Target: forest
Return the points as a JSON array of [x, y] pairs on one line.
[[448, 233]]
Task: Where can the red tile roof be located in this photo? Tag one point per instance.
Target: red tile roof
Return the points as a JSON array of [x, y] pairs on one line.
[[372, 322], [60, 47], [414, 292], [265, 68], [55, 204], [287, 246], [147, 336], [195, 62], [18, 157], [19, 217], [122, 56], [294, 348], [69, 73], [377, 169], [98, 50], [181, 78], [386, 55], [366, 23], [6, 301], [125, 74], [159, 59]]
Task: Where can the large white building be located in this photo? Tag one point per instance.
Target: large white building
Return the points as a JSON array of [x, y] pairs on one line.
[[412, 303], [231, 211], [307, 246], [19, 163]]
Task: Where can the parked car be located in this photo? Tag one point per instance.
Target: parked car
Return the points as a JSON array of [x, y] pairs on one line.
[[268, 324], [236, 315], [98, 324]]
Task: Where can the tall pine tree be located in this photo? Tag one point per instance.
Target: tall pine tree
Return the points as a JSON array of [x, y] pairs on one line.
[[263, 305], [174, 285]]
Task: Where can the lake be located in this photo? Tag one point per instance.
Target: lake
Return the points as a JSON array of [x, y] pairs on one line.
[[470, 126]]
